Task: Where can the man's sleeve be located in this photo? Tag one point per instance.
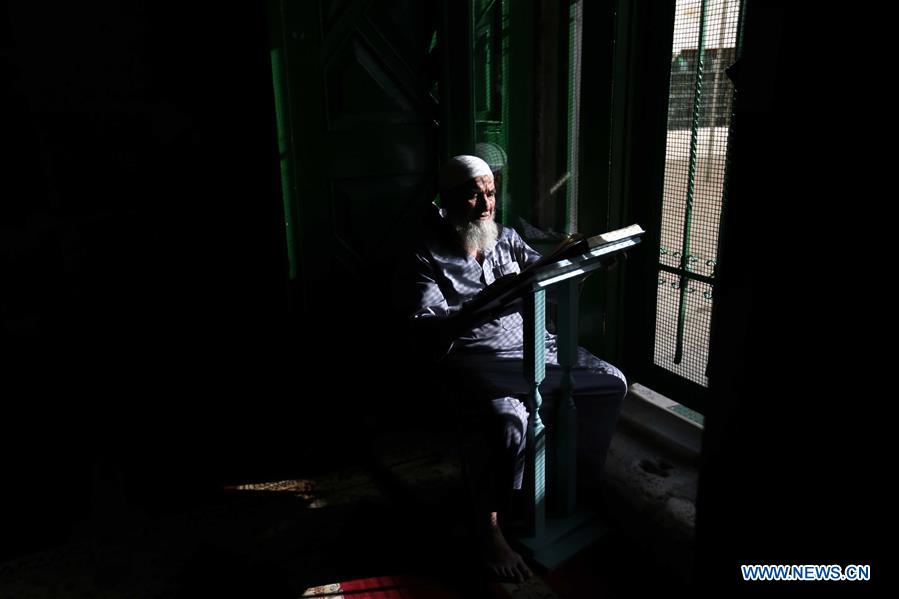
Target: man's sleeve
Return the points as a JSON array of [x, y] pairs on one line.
[[423, 307], [524, 254], [416, 292]]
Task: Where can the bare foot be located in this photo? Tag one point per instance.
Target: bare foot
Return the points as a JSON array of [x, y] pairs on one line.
[[501, 560]]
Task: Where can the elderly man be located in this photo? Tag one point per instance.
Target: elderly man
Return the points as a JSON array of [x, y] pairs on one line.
[[462, 252]]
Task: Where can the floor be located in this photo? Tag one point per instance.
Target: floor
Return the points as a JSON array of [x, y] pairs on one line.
[[387, 529]]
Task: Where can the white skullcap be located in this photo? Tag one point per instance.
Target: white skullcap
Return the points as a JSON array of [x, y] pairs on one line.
[[462, 169]]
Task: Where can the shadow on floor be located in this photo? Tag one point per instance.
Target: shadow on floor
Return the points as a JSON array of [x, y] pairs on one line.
[[393, 523]]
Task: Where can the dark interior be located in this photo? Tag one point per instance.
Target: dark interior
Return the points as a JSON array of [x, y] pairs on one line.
[[156, 348]]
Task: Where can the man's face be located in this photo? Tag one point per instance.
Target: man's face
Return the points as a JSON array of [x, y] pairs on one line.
[[475, 203]]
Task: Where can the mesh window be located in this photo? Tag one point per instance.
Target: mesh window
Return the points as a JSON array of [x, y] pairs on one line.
[[699, 111]]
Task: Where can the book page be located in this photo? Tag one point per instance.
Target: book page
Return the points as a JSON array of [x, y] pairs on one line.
[[616, 235], [511, 286]]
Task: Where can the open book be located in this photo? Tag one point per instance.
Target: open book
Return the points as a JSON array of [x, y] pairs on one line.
[[577, 245], [575, 249]]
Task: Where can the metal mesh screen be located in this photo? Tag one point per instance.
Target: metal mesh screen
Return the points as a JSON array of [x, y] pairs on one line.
[[699, 111]]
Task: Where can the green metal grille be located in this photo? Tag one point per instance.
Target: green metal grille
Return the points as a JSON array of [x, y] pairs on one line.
[[699, 112]]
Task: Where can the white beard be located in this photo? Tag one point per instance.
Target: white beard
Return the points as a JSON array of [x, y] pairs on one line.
[[480, 236]]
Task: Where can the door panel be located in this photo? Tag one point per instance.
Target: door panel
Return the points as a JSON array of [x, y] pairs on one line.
[[363, 121]]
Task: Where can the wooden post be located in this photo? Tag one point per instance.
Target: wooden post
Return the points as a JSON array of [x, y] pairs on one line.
[[534, 371]]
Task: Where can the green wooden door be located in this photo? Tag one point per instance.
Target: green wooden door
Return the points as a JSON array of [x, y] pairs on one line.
[[360, 120]]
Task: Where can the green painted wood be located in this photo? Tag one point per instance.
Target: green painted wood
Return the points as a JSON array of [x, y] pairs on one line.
[[491, 85], [534, 314], [563, 538], [288, 190], [551, 538]]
